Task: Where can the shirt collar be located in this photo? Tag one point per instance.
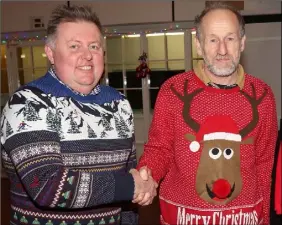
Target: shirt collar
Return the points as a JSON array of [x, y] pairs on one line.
[[199, 71], [95, 91]]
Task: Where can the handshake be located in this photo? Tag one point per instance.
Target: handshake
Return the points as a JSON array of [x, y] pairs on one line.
[[145, 186]]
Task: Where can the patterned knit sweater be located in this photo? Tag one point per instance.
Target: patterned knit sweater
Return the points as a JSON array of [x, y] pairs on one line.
[[67, 155], [212, 149]]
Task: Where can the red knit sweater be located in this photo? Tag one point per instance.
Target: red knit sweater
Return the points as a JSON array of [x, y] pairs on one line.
[[212, 149]]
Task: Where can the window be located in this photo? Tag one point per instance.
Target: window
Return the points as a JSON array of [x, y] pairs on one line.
[[32, 63], [4, 77], [195, 57], [122, 54], [165, 59]]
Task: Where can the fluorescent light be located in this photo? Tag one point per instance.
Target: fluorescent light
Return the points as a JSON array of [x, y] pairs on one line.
[[133, 35], [174, 33], [22, 56], [193, 32], [156, 34], [43, 55]]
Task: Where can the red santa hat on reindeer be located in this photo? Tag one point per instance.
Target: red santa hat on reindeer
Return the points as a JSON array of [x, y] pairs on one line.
[[216, 128]]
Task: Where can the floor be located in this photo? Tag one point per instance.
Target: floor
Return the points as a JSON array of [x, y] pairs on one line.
[[150, 215]]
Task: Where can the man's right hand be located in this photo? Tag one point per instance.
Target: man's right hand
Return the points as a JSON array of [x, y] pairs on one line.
[[145, 187]]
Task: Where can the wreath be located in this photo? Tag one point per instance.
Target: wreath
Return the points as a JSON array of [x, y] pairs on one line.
[[143, 70]]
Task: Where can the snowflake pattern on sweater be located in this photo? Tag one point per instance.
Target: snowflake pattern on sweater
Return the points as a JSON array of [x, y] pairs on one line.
[[64, 152]]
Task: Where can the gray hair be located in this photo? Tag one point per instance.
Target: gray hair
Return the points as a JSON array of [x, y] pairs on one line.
[[64, 13], [214, 6]]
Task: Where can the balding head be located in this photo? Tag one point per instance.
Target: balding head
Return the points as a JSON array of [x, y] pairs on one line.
[[216, 6]]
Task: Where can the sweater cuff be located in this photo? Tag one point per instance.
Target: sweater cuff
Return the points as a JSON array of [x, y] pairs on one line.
[[124, 187]]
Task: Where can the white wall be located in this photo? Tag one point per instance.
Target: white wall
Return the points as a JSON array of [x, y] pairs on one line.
[[124, 12], [15, 15], [262, 7], [262, 56]]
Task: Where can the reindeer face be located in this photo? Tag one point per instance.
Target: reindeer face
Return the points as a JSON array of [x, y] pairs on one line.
[[218, 178]]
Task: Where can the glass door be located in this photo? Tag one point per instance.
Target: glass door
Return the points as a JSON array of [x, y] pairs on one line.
[[168, 54], [166, 57], [121, 60], [32, 63], [4, 78], [26, 61]]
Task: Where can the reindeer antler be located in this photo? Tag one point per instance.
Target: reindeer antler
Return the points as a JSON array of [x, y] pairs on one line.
[[187, 99], [254, 103]]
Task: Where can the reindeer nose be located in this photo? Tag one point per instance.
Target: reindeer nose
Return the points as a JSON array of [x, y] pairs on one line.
[[221, 188]]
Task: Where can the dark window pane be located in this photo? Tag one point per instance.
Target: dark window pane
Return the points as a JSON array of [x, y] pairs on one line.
[[135, 98], [4, 82], [24, 57], [132, 80], [25, 76], [159, 77], [153, 97], [115, 79]]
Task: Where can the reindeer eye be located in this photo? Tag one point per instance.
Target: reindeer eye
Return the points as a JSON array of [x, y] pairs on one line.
[[228, 153], [215, 153]]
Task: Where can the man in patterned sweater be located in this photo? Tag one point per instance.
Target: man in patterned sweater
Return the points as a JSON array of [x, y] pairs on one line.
[[68, 141], [212, 139]]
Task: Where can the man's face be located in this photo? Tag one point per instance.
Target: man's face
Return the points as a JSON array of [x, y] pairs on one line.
[[78, 55], [220, 42]]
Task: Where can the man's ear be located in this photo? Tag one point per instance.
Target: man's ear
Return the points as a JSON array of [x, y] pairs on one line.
[[243, 41], [49, 53], [198, 47]]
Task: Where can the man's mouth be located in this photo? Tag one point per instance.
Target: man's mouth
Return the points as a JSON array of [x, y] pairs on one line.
[[213, 196], [222, 60], [85, 67]]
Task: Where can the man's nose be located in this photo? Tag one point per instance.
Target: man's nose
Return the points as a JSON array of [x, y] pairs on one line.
[[222, 50], [87, 54]]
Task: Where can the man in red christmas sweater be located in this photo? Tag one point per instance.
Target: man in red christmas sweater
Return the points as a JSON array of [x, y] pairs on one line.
[[212, 138]]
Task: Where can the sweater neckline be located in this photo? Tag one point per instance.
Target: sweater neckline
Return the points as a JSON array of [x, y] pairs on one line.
[[215, 90], [96, 90]]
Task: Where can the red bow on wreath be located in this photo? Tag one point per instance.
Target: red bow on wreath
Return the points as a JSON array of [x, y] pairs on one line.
[[143, 70]]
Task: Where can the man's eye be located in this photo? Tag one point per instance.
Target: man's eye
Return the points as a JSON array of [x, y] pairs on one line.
[[230, 39], [213, 40], [73, 46], [94, 47]]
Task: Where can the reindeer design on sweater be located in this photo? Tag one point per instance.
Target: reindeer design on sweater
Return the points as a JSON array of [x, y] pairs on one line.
[[218, 177]]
